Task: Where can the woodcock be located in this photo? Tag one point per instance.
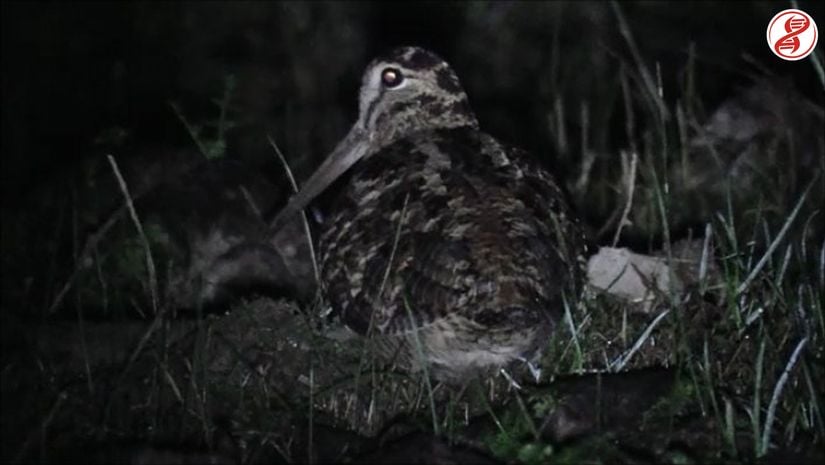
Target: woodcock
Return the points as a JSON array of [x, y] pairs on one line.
[[444, 243]]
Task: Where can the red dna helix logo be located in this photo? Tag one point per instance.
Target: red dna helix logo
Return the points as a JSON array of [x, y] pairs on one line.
[[790, 43], [792, 34]]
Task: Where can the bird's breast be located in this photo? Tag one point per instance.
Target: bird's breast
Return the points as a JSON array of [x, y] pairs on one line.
[[449, 230]]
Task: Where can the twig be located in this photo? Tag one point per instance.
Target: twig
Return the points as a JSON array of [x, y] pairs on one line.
[[815, 60], [79, 307], [647, 79], [91, 244], [629, 117], [630, 180], [703, 261], [303, 213], [394, 247], [588, 155], [419, 349], [371, 324], [193, 131], [132, 358], [150, 264], [251, 202], [44, 425]]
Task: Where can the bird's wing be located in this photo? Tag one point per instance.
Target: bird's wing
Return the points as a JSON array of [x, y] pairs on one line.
[[448, 223]]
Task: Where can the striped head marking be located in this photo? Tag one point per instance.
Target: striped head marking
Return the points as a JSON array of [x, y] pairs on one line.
[[407, 91], [410, 90]]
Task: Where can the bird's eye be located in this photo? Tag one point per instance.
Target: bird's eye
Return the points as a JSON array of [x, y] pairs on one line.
[[391, 77]]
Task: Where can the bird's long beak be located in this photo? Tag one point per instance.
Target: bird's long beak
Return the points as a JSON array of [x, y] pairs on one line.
[[354, 146]]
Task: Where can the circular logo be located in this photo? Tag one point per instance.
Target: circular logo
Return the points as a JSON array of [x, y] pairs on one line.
[[792, 34]]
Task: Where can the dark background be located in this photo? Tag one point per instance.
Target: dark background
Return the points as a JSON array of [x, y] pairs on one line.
[[74, 73], [84, 79]]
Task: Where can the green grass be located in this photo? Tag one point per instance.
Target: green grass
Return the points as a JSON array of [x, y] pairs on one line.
[[745, 341]]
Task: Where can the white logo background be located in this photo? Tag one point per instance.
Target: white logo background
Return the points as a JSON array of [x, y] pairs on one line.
[[797, 46]]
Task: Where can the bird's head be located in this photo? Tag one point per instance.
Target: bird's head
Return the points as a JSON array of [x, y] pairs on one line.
[[407, 91]]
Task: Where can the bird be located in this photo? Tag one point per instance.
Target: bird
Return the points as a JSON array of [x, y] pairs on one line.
[[452, 249]]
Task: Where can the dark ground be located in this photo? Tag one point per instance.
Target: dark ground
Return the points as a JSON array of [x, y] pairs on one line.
[[95, 368]]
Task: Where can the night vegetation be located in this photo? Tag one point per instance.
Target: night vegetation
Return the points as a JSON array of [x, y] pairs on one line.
[[149, 315]]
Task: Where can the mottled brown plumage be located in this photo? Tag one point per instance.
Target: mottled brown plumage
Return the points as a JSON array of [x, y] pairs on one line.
[[441, 233]]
